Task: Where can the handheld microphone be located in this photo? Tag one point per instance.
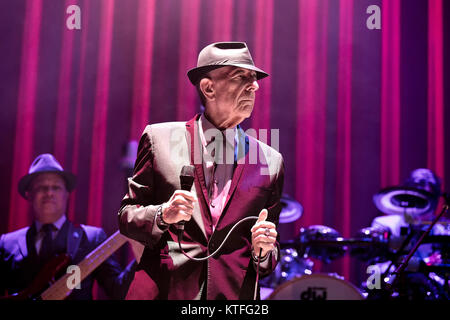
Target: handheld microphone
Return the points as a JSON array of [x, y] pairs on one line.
[[186, 180]]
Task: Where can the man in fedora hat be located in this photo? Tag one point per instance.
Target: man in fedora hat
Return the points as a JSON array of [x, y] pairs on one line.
[[25, 252], [227, 188], [422, 189]]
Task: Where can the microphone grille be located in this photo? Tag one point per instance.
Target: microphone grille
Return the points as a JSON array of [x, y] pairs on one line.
[[188, 171]]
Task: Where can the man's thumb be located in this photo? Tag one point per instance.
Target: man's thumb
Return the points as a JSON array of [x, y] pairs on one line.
[[262, 215]]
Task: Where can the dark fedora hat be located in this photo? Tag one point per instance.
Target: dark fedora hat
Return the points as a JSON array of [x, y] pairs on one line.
[[425, 179], [42, 164], [221, 54]]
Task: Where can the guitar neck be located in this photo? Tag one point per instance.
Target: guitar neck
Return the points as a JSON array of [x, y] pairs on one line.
[[60, 289]]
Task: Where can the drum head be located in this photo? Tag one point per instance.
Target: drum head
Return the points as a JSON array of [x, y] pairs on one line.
[[316, 287]]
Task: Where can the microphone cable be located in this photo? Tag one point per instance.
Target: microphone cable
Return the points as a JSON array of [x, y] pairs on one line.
[[180, 236], [255, 293]]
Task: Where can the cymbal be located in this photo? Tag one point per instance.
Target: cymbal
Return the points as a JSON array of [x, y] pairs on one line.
[[291, 209], [401, 200]]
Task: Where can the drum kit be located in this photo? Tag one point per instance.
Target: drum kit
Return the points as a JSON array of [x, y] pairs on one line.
[[424, 275]]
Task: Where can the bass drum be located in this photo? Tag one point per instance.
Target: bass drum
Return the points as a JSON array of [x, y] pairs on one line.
[[317, 287]]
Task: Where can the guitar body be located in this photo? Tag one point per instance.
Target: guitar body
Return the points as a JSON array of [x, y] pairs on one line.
[[51, 282], [51, 271]]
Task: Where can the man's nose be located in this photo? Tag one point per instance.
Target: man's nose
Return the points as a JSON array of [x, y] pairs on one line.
[[49, 191], [253, 86]]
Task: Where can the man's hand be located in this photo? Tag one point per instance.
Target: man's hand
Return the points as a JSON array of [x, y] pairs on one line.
[[179, 207], [264, 234]]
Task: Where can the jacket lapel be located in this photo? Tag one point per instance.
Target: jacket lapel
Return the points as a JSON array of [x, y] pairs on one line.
[[27, 243], [73, 239], [196, 159]]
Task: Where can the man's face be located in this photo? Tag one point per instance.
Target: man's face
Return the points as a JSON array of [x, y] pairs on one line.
[[48, 197], [234, 92]]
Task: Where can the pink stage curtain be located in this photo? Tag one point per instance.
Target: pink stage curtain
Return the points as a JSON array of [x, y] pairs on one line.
[[357, 108]]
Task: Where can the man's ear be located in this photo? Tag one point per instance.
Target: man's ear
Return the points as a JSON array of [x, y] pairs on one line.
[[28, 195], [207, 88]]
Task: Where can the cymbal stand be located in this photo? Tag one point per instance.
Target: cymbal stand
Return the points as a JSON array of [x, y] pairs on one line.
[[398, 253]]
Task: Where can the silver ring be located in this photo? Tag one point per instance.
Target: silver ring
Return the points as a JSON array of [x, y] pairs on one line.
[[267, 232]]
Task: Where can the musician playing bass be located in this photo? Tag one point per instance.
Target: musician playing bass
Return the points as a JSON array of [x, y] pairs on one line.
[[25, 252]]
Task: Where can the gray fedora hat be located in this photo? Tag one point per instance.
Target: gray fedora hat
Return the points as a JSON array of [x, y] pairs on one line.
[[45, 163], [221, 54]]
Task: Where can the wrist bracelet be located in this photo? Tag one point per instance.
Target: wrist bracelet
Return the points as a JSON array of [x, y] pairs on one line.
[[159, 219], [255, 256]]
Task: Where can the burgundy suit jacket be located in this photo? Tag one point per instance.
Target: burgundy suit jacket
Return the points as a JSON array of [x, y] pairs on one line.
[[256, 184]]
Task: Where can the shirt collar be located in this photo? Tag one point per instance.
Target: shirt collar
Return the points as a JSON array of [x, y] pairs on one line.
[[57, 224], [205, 124]]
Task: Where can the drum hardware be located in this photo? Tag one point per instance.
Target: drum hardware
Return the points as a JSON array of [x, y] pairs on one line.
[[410, 286], [418, 270], [290, 266], [318, 248], [397, 278], [321, 242], [445, 239], [396, 255], [315, 247], [375, 241], [402, 266], [373, 245], [416, 264], [337, 243], [428, 222], [377, 245], [437, 268]]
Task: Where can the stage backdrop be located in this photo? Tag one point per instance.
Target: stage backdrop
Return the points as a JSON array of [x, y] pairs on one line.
[[360, 100]]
